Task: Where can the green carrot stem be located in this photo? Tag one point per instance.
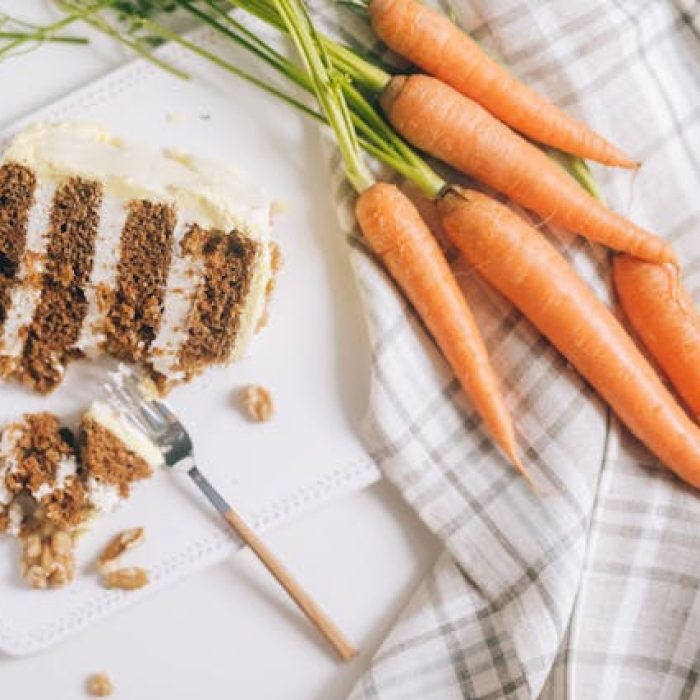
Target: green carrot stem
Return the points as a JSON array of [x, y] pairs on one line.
[[363, 72], [579, 170], [327, 88], [248, 40], [40, 36], [365, 117], [169, 35], [56, 26]]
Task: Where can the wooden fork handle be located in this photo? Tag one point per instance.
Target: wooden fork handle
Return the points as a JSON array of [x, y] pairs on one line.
[[309, 607]]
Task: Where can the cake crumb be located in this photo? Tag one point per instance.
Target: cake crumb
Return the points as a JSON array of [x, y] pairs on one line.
[[99, 685], [118, 546], [258, 403], [128, 579]]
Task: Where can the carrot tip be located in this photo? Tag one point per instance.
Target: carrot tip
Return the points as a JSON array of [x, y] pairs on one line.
[[525, 473]]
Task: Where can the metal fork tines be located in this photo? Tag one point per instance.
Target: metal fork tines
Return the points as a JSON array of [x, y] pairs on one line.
[[127, 393]]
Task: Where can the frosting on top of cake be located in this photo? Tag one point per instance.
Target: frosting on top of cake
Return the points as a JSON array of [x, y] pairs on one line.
[[220, 195]]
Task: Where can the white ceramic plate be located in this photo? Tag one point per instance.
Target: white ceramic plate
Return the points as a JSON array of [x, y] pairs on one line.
[[313, 356]]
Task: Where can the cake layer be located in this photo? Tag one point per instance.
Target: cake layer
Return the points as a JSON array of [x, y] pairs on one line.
[[45, 477], [214, 322], [154, 257], [144, 261], [62, 306], [17, 185]]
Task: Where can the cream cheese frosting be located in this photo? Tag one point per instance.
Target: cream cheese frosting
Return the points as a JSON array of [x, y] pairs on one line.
[[219, 195], [104, 272]]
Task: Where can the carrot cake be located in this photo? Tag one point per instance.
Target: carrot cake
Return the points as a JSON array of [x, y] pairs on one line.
[[53, 484], [154, 257]]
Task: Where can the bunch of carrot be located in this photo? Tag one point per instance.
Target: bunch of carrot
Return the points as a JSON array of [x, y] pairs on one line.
[[460, 123], [470, 112]]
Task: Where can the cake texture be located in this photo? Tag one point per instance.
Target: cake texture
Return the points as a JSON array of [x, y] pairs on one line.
[[154, 257], [47, 474], [53, 485]]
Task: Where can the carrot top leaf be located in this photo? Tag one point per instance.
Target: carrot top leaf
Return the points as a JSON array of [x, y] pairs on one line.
[[327, 83]]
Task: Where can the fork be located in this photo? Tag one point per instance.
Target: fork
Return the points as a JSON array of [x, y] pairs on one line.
[[126, 393]]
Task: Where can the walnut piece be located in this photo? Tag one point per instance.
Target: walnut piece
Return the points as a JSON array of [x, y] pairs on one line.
[[127, 579], [258, 403], [118, 546], [99, 685], [48, 558]]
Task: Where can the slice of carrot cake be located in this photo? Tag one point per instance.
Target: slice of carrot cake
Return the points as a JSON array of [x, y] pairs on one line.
[[52, 486], [151, 256]]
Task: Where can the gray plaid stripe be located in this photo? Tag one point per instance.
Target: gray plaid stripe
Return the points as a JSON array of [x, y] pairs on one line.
[[612, 73], [662, 90], [454, 649], [634, 661], [691, 678]]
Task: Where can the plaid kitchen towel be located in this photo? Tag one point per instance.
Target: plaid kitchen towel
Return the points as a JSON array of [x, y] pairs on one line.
[[589, 590]]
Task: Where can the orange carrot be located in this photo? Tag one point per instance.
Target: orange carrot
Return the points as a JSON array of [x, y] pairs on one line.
[[431, 41], [522, 265], [664, 317], [453, 128], [398, 235]]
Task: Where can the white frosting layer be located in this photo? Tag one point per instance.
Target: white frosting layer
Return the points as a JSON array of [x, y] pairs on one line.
[[104, 498], [127, 432], [183, 280], [8, 464], [104, 272], [8, 460], [25, 296]]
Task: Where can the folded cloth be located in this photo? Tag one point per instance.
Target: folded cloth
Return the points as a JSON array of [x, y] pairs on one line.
[[590, 589]]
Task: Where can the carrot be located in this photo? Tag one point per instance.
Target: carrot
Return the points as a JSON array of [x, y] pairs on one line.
[[431, 41], [665, 319], [522, 265], [398, 235], [453, 128]]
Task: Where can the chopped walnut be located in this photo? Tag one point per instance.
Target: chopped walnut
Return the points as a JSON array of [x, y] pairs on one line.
[[128, 579], [258, 403], [99, 685], [118, 546], [48, 558]]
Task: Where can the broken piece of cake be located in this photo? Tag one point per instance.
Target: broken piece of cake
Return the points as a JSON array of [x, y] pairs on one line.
[[154, 257], [52, 486]]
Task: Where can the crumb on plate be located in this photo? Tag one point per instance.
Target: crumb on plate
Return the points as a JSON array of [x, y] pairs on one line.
[[99, 685], [258, 403]]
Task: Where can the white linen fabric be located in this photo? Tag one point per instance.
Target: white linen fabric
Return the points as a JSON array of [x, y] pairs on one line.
[[589, 590]]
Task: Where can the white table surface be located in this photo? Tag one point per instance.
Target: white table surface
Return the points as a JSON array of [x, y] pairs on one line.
[[227, 632]]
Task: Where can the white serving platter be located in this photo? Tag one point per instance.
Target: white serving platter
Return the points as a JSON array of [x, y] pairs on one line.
[[313, 356]]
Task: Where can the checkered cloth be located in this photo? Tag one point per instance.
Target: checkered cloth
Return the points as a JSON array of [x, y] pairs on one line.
[[590, 590]]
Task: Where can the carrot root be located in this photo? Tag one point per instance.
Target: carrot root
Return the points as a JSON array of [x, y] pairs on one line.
[[437, 119], [522, 265], [395, 231], [665, 319], [435, 44]]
